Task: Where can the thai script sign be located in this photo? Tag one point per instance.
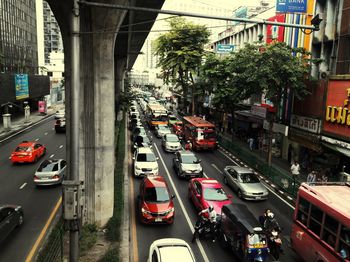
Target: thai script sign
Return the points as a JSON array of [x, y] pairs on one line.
[[21, 85], [258, 111], [306, 123], [224, 48], [291, 6], [337, 116], [276, 128], [336, 142]]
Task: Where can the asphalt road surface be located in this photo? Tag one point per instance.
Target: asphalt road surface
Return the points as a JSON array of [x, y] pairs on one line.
[[17, 187], [213, 164]]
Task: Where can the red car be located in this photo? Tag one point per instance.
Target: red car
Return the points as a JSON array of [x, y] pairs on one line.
[[207, 191], [27, 152], [155, 203], [178, 128]]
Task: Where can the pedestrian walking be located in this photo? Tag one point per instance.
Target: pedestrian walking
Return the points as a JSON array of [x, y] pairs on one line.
[[251, 143], [295, 169], [311, 178]]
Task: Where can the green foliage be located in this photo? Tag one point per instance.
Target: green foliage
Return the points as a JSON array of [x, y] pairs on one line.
[[180, 52], [112, 255], [88, 237]]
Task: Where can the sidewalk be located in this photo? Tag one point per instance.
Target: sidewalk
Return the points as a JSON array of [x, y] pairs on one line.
[[278, 163], [18, 122]]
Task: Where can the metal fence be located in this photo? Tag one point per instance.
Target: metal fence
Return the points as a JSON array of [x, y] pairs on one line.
[[278, 176], [52, 250]]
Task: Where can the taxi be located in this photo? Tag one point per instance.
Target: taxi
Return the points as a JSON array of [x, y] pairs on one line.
[[27, 152], [204, 192]]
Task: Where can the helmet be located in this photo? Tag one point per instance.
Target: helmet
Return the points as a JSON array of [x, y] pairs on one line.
[[270, 215], [211, 208]]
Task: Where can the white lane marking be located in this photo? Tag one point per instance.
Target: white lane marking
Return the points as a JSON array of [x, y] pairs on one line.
[[201, 249], [46, 133], [61, 146], [37, 139], [205, 175], [213, 165], [266, 185], [52, 156], [22, 186], [21, 131]]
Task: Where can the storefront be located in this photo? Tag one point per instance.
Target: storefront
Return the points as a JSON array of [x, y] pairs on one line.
[[336, 125]]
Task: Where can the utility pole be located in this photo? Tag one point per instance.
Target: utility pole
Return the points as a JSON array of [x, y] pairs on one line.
[[71, 187]]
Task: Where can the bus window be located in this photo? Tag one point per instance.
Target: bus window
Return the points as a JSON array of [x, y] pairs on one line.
[[200, 134], [303, 211], [315, 220], [330, 229], [344, 245]]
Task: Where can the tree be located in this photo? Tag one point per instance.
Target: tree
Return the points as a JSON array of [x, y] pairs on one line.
[[180, 53], [282, 69]]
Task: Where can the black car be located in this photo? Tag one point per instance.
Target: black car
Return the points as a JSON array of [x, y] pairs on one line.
[[187, 165], [11, 216], [137, 131], [142, 140], [60, 125]]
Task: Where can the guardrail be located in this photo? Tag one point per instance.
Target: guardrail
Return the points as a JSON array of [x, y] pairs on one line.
[[280, 178]]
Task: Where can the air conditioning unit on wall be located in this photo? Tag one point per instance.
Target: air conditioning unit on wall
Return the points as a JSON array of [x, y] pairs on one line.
[[324, 74]]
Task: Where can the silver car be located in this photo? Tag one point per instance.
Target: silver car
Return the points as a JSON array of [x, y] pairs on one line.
[[245, 183], [171, 143], [50, 172], [161, 130]]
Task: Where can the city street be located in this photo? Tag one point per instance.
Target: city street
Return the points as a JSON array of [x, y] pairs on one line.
[[17, 187], [213, 164]]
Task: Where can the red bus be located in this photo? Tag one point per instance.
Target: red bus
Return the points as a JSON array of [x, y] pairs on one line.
[[321, 222], [199, 132]]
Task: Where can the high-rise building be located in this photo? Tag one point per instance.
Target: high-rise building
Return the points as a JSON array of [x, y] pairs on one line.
[[52, 33], [18, 42]]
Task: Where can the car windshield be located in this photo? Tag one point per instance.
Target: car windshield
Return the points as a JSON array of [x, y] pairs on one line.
[[249, 178], [172, 139], [146, 157], [256, 239], [23, 149], [172, 118], [215, 194], [48, 166], [156, 194], [163, 128], [189, 159]]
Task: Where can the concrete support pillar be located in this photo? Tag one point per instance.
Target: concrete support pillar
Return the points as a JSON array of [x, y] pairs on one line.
[[26, 114], [6, 119], [119, 83]]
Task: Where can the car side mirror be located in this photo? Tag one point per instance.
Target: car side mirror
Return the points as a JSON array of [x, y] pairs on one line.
[[172, 196], [157, 158], [198, 195], [133, 158], [229, 196]]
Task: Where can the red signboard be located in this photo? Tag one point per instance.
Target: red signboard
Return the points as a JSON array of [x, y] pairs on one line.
[[274, 32], [337, 113]]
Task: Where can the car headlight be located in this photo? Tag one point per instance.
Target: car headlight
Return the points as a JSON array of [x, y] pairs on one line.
[[170, 210], [138, 168], [144, 211]]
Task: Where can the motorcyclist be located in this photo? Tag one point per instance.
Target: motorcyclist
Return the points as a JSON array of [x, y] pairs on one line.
[[271, 223], [263, 217], [211, 214], [188, 145]]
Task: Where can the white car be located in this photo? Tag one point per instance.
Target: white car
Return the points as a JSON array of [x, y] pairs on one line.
[[170, 250], [171, 143], [60, 114], [161, 130], [145, 162]]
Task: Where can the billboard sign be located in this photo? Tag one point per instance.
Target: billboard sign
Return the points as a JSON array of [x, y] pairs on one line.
[[275, 32], [224, 49], [291, 6], [241, 12], [337, 113], [21, 85]]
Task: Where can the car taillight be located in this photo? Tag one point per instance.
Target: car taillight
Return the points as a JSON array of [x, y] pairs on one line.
[[56, 177], [35, 178]]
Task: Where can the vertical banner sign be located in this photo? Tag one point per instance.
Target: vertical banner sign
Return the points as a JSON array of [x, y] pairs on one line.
[[291, 6], [21, 84]]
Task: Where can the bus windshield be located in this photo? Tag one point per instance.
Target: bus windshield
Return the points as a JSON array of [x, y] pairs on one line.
[[159, 118], [205, 133]]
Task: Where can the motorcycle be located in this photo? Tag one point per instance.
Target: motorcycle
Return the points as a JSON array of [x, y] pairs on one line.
[[275, 244], [204, 229]]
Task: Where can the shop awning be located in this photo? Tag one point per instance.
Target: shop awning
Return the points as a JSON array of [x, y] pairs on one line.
[[246, 115], [344, 151]]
